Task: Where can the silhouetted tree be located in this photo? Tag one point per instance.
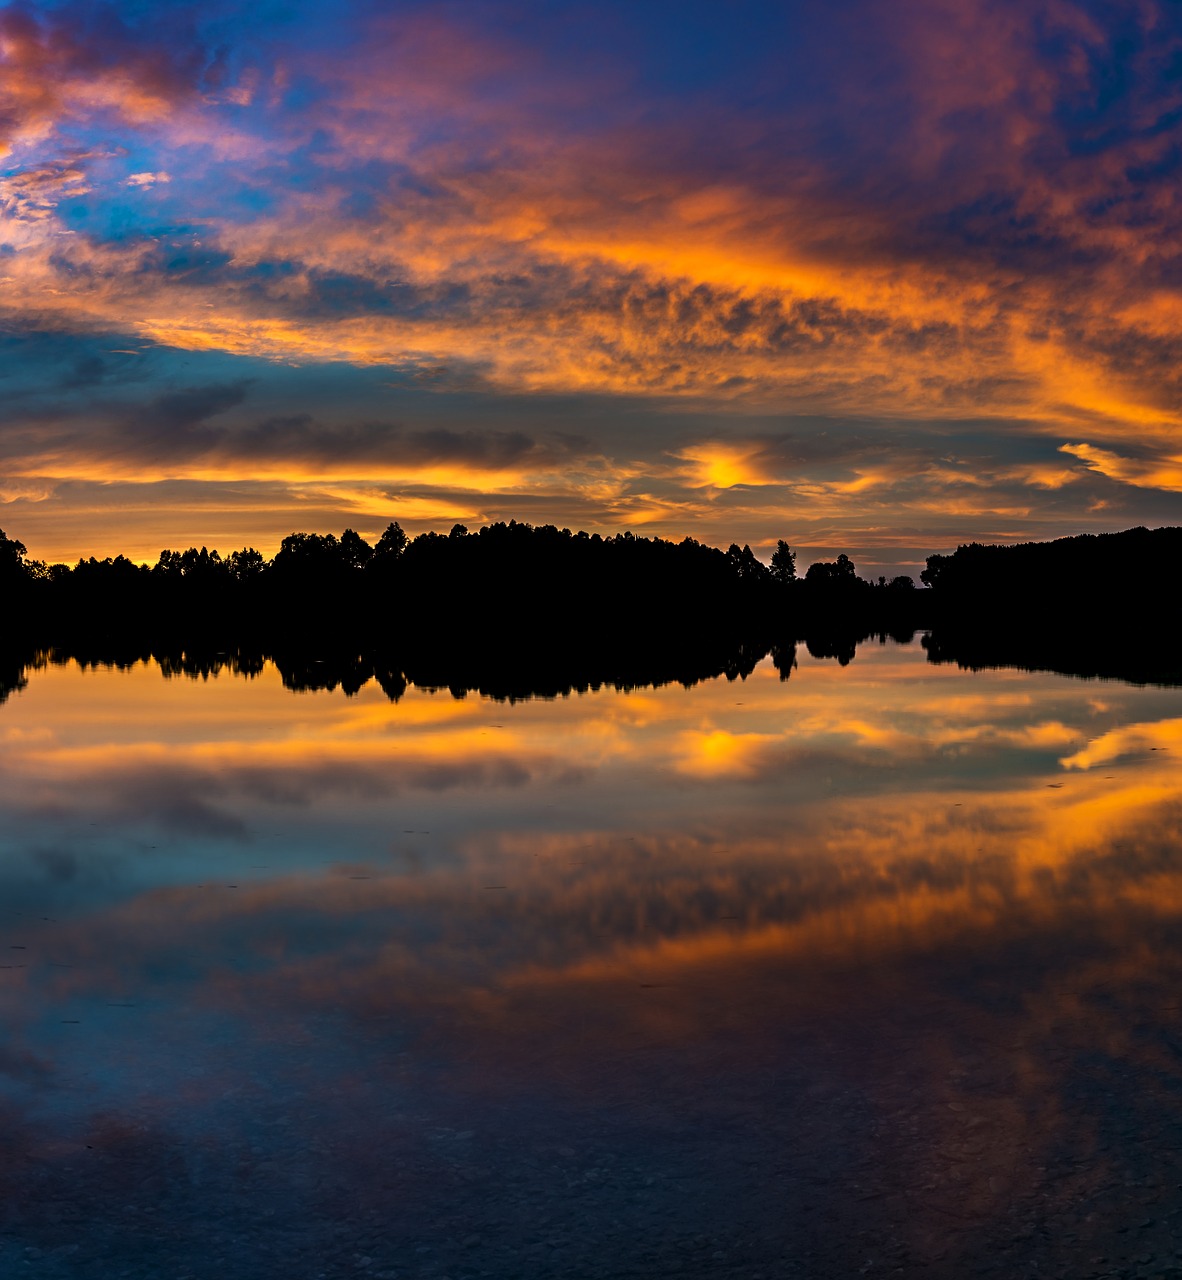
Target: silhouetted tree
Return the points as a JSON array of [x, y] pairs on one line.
[[313, 556], [840, 570], [168, 564], [936, 566], [391, 544], [783, 563], [245, 565], [202, 566], [12, 558], [39, 571], [746, 566], [355, 551]]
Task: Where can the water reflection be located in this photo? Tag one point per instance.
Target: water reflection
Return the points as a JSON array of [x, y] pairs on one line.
[[873, 969], [509, 670]]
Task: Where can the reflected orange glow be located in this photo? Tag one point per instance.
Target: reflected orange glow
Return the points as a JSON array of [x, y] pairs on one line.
[[829, 740], [1127, 740], [924, 876], [874, 968]]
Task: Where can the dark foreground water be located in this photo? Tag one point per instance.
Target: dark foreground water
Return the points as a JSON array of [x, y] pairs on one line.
[[876, 971]]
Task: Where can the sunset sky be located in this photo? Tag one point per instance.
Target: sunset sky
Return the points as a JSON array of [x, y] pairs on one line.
[[875, 276]]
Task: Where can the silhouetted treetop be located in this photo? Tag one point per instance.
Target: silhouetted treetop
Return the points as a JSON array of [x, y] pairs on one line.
[[392, 543], [1107, 575], [783, 562], [355, 551], [12, 559], [840, 571], [507, 583]]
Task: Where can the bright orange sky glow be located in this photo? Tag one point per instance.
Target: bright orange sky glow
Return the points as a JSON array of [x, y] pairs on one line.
[[878, 282]]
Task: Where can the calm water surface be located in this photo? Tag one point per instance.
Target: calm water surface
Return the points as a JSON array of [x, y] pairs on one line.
[[874, 971]]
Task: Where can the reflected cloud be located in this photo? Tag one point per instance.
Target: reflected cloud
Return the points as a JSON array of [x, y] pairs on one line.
[[1128, 740], [870, 921]]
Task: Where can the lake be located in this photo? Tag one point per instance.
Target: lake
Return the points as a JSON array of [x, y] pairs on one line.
[[874, 970]]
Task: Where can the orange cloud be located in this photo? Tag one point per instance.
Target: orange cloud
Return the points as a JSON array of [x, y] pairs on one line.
[[500, 225], [1145, 473]]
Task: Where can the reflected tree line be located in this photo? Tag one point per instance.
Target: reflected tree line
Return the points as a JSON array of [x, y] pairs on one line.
[[496, 676]]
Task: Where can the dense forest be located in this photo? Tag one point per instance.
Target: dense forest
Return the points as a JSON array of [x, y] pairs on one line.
[[507, 585], [1102, 605], [513, 609], [1045, 582]]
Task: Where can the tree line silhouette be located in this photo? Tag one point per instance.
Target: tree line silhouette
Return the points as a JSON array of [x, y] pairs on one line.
[[508, 585], [513, 609], [1092, 605], [1134, 567]]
